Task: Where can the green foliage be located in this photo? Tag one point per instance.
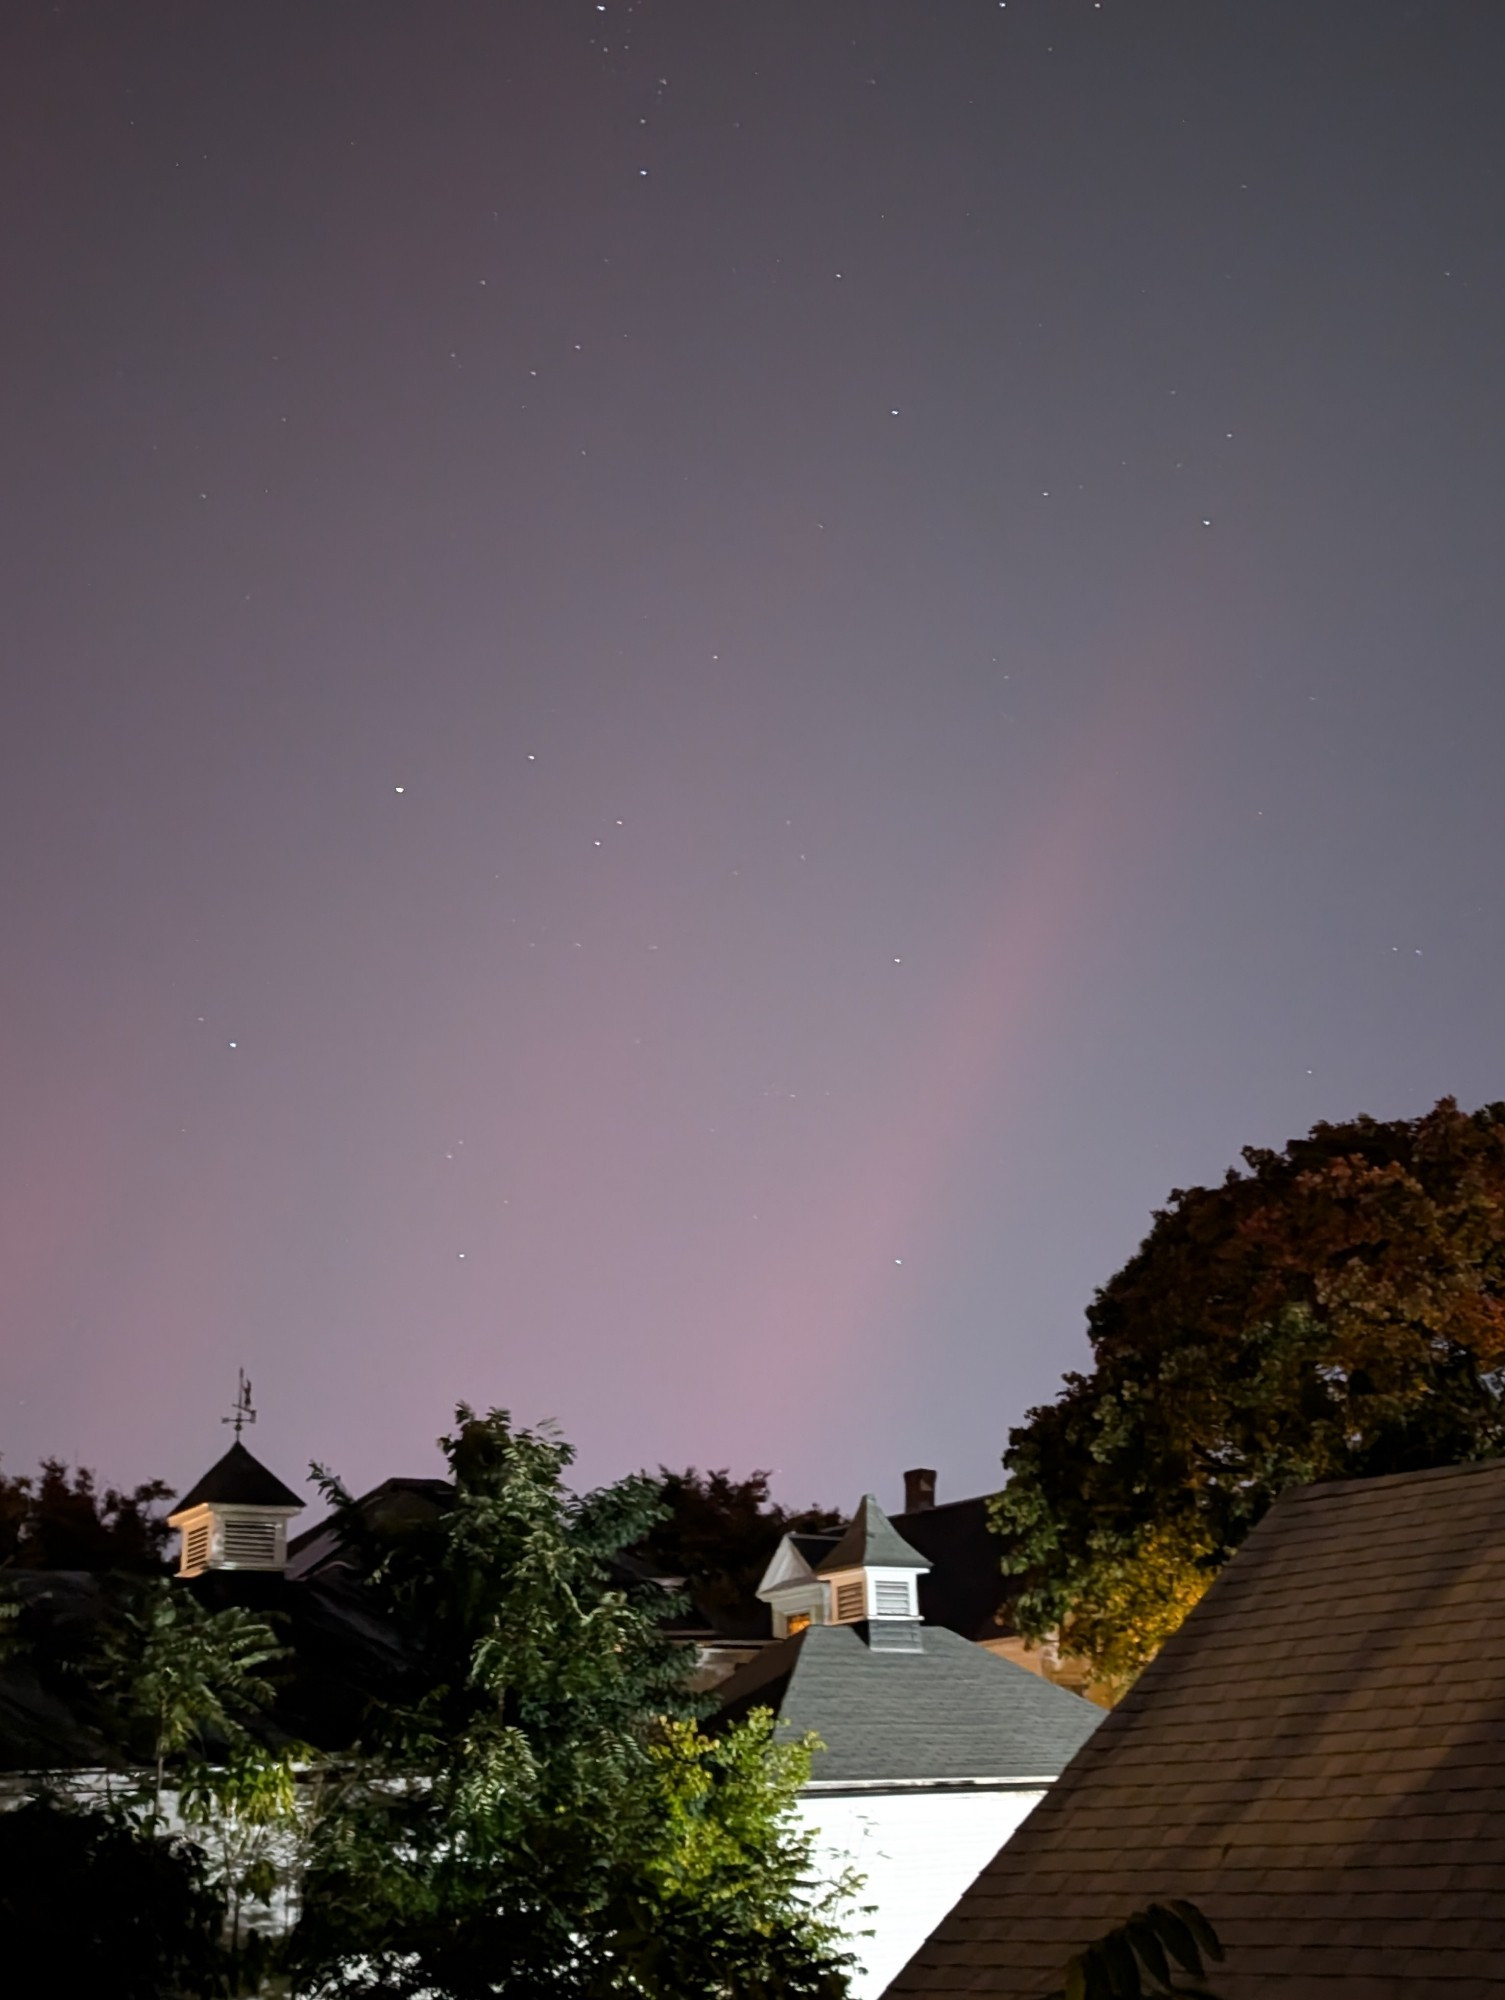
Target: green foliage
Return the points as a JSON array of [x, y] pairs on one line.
[[1336, 1310], [178, 1676], [709, 1870], [1145, 1957], [545, 1816], [247, 1817], [95, 1904], [55, 1521], [719, 1534]]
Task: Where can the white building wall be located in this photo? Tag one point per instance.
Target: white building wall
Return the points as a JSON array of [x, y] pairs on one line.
[[918, 1850]]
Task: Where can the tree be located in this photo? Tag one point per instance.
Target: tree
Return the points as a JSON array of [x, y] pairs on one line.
[[1335, 1310], [252, 1826], [178, 1675], [58, 1521], [544, 1814], [719, 1533], [95, 1902]]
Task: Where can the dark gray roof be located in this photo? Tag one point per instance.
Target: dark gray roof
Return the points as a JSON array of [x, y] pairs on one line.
[[948, 1713], [1316, 1759], [871, 1539], [966, 1588], [238, 1480]]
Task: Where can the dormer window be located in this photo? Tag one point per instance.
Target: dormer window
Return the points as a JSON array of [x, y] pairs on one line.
[[796, 1597]]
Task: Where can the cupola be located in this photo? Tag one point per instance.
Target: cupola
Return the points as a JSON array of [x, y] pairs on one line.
[[872, 1573], [237, 1515]]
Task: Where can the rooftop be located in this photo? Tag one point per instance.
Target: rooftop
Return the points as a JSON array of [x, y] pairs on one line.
[[238, 1480], [872, 1541], [950, 1713], [1316, 1759]]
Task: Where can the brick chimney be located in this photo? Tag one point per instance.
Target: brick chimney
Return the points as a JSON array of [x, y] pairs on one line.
[[919, 1489]]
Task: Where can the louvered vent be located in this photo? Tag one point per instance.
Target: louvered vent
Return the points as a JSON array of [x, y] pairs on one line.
[[891, 1598], [252, 1544], [196, 1547], [896, 1635], [849, 1604]]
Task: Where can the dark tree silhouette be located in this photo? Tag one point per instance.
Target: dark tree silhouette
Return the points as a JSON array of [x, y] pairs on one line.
[[96, 1904], [59, 1519], [718, 1534]]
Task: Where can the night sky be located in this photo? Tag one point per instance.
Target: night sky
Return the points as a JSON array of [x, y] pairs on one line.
[[694, 691]]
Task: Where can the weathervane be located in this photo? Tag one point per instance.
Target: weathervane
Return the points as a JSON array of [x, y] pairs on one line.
[[244, 1414]]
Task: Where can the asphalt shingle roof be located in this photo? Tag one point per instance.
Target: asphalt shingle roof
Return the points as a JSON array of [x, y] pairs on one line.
[[1317, 1759], [948, 1713], [238, 1480], [873, 1540]]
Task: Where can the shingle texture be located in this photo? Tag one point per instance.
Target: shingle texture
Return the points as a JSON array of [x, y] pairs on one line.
[[951, 1713], [872, 1540], [238, 1480], [1317, 1759]]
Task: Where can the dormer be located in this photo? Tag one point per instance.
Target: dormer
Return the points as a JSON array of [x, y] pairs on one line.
[[872, 1574], [235, 1518], [790, 1587]]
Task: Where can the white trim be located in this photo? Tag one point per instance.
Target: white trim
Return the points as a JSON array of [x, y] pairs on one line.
[[834, 1785]]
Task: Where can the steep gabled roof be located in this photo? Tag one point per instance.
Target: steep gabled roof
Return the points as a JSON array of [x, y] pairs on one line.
[[872, 1541], [238, 1480], [1316, 1759], [946, 1714]]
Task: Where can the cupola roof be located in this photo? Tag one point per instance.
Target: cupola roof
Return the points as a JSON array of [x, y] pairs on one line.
[[871, 1542], [238, 1480]]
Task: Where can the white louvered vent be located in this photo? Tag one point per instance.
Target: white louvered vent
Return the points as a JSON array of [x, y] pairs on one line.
[[891, 1598], [252, 1543], [196, 1547], [849, 1604]]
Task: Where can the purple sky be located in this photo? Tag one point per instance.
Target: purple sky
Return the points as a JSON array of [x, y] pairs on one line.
[[692, 692]]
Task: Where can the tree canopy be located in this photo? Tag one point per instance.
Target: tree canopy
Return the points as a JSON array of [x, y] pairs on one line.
[[1335, 1309], [545, 1814], [61, 1520], [177, 1677], [719, 1534]]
